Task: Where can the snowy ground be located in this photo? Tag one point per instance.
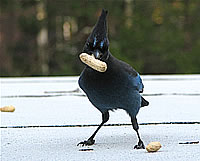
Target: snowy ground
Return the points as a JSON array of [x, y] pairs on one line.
[[39, 129]]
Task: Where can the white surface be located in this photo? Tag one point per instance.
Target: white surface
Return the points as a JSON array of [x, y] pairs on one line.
[[74, 110], [112, 143], [115, 143], [71, 110]]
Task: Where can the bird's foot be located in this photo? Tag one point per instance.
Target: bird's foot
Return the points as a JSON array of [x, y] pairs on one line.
[[86, 143], [140, 145]]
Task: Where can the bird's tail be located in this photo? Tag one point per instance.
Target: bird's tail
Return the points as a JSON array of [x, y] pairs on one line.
[[144, 102]]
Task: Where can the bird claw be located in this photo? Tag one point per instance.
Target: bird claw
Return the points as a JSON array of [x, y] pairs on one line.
[[140, 145], [86, 143]]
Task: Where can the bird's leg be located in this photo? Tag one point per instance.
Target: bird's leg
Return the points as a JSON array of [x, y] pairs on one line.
[[90, 141], [140, 144]]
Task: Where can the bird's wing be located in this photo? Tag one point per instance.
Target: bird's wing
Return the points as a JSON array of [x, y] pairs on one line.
[[137, 81], [134, 76]]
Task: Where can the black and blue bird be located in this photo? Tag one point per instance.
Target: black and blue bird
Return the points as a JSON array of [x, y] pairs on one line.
[[117, 88]]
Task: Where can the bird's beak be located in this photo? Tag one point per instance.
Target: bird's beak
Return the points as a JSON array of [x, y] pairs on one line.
[[97, 54]]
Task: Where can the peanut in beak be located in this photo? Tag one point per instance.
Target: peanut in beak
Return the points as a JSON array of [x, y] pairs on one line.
[[96, 64]]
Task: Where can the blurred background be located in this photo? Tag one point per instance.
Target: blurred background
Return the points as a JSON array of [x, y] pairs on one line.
[[45, 37]]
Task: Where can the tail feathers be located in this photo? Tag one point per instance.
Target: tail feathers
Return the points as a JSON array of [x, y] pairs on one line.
[[144, 102]]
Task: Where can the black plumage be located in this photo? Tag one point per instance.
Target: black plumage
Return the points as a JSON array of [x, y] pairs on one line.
[[117, 88]]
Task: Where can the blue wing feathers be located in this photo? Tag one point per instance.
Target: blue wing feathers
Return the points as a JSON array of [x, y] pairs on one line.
[[137, 83]]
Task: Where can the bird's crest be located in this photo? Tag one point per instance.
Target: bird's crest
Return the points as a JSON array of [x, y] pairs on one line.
[[98, 37], [100, 30]]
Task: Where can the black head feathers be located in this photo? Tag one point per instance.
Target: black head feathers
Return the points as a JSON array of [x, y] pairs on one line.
[[100, 29], [98, 38]]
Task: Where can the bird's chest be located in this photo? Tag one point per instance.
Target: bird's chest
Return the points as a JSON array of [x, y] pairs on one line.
[[103, 87], [94, 83]]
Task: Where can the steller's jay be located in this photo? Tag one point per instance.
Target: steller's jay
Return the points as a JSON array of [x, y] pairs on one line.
[[117, 88]]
